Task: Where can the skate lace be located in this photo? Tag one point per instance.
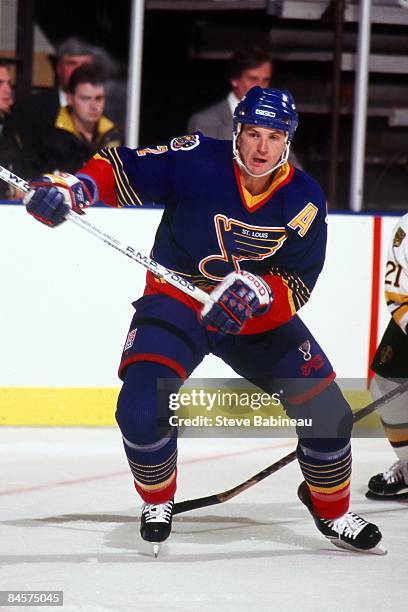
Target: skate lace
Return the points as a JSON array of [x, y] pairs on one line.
[[160, 513], [397, 472], [348, 525]]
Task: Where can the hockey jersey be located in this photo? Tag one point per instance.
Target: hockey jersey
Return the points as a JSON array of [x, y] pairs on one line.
[[211, 225], [396, 275], [391, 358]]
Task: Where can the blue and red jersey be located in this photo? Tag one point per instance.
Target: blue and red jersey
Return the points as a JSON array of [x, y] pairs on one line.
[[211, 225]]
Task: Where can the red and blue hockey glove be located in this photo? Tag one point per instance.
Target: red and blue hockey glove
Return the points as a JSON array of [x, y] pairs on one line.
[[53, 195], [239, 297]]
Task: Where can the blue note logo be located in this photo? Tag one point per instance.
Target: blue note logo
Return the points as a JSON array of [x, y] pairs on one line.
[[239, 241]]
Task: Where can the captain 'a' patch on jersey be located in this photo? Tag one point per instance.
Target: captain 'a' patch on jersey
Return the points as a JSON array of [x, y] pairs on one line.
[[240, 241], [304, 219]]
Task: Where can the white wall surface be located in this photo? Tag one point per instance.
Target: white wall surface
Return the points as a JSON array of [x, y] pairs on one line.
[[65, 303]]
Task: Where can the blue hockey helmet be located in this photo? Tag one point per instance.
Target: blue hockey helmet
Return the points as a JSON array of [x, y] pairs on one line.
[[269, 108]]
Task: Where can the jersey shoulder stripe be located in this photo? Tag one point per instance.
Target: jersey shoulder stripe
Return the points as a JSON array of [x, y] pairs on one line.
[[127, 195]]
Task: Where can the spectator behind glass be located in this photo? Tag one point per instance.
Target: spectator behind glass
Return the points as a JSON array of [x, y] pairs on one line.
[[245, 69], [6, 95], [11, 155], [80, 128], [37, 112]]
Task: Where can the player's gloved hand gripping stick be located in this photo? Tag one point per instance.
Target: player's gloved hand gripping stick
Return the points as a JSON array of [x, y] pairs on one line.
[[237, 298]]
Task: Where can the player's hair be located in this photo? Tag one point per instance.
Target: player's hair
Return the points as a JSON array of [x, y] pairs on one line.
[[4, 63], [86, 73], [73, 46], [245, 59]]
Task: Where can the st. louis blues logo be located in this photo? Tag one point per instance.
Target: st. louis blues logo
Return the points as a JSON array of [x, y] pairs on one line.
[[239, 241], [187, 142]]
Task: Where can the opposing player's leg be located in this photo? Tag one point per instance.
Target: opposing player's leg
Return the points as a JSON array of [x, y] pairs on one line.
[[289, 360], [164, 344], [393, 482]]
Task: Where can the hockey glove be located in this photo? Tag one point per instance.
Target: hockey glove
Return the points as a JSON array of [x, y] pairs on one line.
[[53, 195], [239, 297]]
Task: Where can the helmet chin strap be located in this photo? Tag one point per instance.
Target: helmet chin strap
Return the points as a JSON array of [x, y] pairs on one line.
[[283, 159]]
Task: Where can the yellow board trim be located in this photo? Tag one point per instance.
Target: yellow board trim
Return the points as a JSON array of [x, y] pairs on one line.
[[95, 406], [58, 406]]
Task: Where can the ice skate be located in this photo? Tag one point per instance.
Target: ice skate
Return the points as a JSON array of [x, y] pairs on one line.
[[155, 524], [349, 531], [391, 484]]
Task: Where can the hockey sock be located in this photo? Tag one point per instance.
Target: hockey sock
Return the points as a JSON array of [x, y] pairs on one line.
[[150, 444], [326, 467], [397, 435], [324, 452], [394, 417]]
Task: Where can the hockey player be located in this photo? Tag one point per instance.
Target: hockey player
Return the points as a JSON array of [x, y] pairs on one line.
[[390, 365], [250, 229]]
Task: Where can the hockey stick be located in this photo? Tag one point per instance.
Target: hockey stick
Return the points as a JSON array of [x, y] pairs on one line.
[[190, 289], [220, 498], [126, 249]]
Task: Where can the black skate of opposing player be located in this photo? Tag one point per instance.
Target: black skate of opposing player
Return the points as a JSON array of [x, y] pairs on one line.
[[155, 523], [350, 531], [391, 484]]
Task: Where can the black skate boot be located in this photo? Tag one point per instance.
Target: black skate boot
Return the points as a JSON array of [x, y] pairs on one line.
[[391, 484], [155, 523], [349, 531]]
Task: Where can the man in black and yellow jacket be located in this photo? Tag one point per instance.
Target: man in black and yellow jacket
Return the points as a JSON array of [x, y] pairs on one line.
[[80, 128]]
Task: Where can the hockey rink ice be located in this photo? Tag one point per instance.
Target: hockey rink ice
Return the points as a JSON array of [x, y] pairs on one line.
[[69, 521]]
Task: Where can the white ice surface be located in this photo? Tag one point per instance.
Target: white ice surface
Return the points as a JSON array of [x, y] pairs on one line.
[[69, 521]]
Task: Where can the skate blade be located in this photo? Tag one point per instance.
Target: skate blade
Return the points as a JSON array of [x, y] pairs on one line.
[[156, 549], [151, 550], [392, 497], [379, 549]]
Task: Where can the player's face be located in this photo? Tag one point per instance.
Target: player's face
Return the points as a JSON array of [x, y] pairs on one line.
[[67, 65], [87, 102], [260, 148], [261, 75], [6, 98]]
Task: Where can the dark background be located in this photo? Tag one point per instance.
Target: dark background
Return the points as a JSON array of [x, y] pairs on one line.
[[174, 83], [177, 80]]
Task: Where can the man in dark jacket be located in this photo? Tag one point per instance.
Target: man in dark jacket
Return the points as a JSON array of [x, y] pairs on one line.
[[11, 154], [245, 69], [80, 128], [38, 111]]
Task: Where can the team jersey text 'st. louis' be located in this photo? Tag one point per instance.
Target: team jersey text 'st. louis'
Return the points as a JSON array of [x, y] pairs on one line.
[[211, 225]]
